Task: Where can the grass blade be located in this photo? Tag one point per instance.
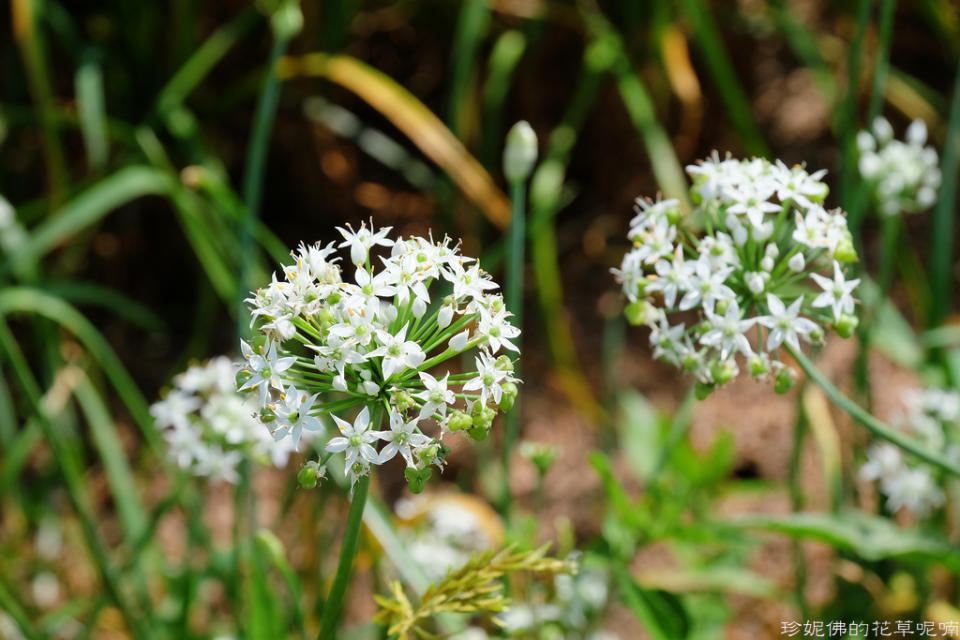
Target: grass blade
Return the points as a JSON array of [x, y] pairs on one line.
[[942, 242], [91, 110], [411, 117], [472, 25], [194, 70], [724, 76], [87, 209], [34, 301]]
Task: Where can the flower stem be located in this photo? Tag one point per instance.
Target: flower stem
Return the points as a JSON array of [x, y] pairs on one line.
[[514, 302], [348, 550], [875, 426]]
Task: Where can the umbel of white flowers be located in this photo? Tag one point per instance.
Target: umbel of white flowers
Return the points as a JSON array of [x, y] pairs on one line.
[[739, 276], [932, 416], [903, 176], [210, 428], [362, 351]]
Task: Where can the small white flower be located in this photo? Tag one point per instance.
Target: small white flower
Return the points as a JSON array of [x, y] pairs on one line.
[[785, 324], [265, 368], [397, 352], [400, 438], [837, 293], [293, 415], [727, 332], [436, 397], [355, 439], [362, 240]]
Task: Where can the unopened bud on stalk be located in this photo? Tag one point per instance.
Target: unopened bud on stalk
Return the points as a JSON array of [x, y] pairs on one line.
[[520, 152]]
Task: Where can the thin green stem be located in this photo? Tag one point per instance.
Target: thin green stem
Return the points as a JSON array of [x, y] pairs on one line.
[[942, 243], [888, 258], [882, 70], [256, 161], [348, 551], [514, 301], [875, 426]]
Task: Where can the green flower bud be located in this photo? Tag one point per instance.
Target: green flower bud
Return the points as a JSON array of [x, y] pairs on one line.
[[540, 454], [510, 392], [416, 478], [674, 215], [402, 400], [845, 251], [311, 474], [785, 380], [702, 390], [504, 363], [478, 432], [723, 372], [458, 420], [846, 325], [520, 152], [816, 334], [287, 20], [637, 313], [759, 366], [721, 307]]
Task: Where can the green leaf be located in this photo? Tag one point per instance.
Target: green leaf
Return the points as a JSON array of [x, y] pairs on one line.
[[87, 209], [641, 433], [107, 442], [661, 613], [871, 537], [29, 300]]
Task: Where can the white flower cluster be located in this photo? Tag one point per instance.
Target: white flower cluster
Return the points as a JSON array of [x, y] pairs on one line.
[[328, 346], [933, 417], [210, 428], [443, 531], [903, 176], [743, 261], [576, 603]]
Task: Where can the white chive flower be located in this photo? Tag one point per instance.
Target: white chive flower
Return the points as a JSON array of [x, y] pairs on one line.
[[362, 350], [932, 417], [745, 269], [210, 428], [904, 176]]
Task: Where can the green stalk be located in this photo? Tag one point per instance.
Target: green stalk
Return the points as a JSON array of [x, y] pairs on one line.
[[941, 245], [348, 551], [875, 426], [848, 118], [796, 505], [256, 161], [24, 18], [885, 33], [514, 302], [888, 258]]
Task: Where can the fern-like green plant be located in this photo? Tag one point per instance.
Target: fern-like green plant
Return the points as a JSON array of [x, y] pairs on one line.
[[473, 588]]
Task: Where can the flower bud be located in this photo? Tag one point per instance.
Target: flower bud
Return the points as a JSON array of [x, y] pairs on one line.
[[311, 474], [402, 400], [478, 433], [458, 420], [797, 263], [638, 313], [755, 282], [759, 366], [723, 372], [766, 263], [816, 335], [703, 389], [846, 325], [542, 455], [416, 478], [287, 20], [504, 363], [509, 397], [520, 152], [845, 251], [785, 380]]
